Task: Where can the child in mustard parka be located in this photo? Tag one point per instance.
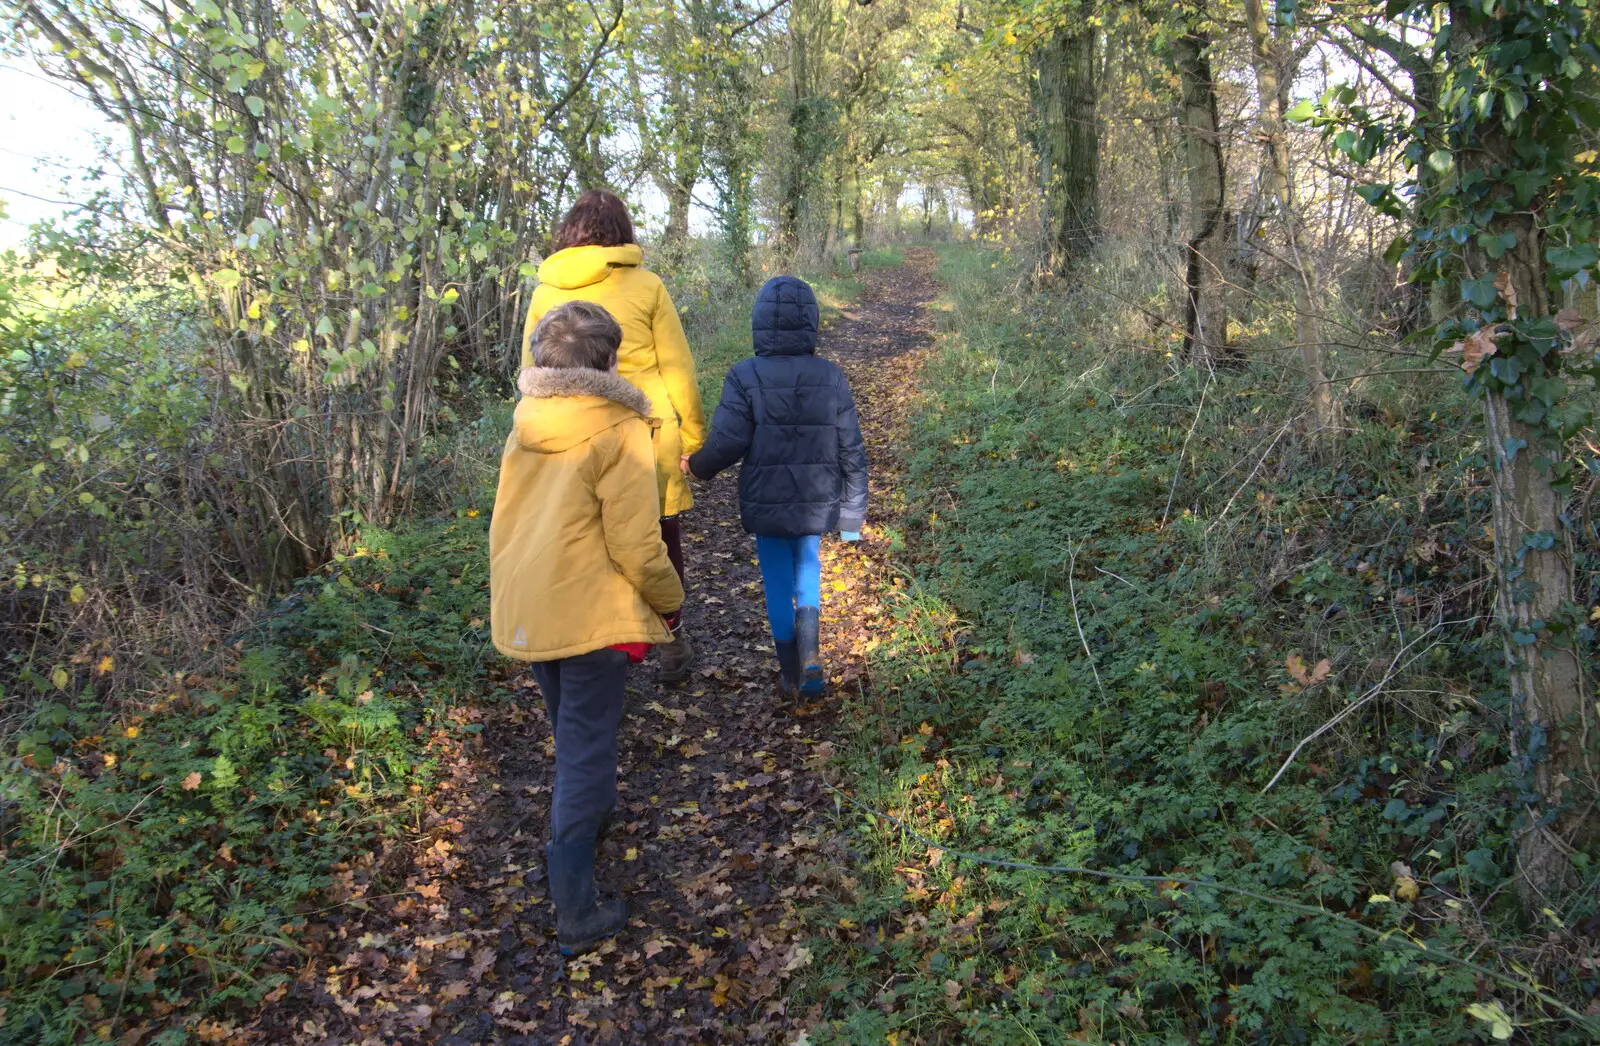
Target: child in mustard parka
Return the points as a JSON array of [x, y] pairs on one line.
[[579, 580]]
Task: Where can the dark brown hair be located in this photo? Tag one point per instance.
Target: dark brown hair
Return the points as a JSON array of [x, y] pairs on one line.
[[597, 218], [577, 334]]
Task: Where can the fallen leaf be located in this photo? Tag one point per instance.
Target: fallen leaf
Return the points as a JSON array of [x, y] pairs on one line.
[[1568, 320], [1478, 346], [798, 957], [192, 781], [1508, 291], [482, 959]]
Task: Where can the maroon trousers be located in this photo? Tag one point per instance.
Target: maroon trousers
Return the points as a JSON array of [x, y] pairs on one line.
[[672, 534]]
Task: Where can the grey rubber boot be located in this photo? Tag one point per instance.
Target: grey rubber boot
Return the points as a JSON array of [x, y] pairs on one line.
[[581, 921], [813, 677], [676, 657], [788, 669]]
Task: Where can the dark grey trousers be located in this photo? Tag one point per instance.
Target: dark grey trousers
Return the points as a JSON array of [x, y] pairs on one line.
[[583, 696]]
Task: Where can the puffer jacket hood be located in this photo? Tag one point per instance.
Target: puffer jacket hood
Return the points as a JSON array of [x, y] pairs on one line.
[[582, 266], [568, 405], [789, 414], [784, 321]]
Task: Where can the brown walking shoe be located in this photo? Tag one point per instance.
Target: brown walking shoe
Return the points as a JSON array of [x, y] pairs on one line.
[[676, 657]]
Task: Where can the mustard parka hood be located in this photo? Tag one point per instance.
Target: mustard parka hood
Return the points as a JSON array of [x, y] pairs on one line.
[[566, 406], [582, 266]]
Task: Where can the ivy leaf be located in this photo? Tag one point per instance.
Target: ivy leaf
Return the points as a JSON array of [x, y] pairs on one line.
[[1480, 292], [1516, 102], [227, 279], [1567, 262], [294, 21], [255, 105], [1496, 245], [1441, 160]]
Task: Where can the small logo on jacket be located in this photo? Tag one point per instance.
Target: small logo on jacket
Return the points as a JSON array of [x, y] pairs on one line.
[[520, 639]]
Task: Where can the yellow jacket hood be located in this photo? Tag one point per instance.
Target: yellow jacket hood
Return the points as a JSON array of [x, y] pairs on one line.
[[581, 266], [566, 406]]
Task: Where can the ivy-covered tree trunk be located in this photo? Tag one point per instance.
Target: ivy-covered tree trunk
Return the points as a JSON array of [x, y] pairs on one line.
[[675, 237], [1325, 407], [1066, 95], [1556, 729], [1206, 314]]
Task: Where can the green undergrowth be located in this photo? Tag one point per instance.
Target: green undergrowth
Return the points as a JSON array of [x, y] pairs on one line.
[[152, 865], [1098, 658]]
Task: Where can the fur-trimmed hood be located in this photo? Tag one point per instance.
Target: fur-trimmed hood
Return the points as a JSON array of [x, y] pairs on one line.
[[544, 382], [566, 406]]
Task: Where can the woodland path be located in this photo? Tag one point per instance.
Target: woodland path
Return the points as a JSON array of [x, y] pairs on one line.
[[722, 840]]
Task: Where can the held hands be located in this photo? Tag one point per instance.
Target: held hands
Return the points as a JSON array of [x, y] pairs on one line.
[[683, 464]]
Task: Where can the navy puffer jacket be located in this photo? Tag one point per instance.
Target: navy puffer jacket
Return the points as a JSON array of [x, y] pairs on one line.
[[790, 416]]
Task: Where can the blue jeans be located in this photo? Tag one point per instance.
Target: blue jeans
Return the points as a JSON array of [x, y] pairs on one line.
[[791, 573]]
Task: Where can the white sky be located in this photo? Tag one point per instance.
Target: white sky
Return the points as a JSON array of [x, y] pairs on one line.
[[47, 136]]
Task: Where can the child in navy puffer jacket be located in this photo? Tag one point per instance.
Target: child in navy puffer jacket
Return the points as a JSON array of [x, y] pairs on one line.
[[790, 416]]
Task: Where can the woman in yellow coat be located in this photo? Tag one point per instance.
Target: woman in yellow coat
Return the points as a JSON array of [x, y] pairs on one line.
[[596, 259]]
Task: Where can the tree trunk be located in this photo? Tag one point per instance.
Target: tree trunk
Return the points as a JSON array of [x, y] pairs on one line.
[[1066, 96], [1206, 314], [1325, 407], [675, 237], [1554, 723], [858, 220], [892, 189], [1167, 183]]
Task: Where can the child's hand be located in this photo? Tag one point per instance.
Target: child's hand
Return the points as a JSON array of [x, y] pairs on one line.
[[683, 464], [849, 535]]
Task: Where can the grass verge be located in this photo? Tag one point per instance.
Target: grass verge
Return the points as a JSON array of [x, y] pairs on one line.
[[1128, 592]]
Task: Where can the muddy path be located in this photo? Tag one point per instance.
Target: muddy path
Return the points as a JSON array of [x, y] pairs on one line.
[[721, 843]]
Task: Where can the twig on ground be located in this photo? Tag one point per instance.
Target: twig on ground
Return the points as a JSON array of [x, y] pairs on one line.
[[1345, 712]]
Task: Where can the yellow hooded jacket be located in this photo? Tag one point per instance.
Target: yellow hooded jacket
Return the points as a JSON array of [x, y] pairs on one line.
[[576, 560], [654, 356]]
